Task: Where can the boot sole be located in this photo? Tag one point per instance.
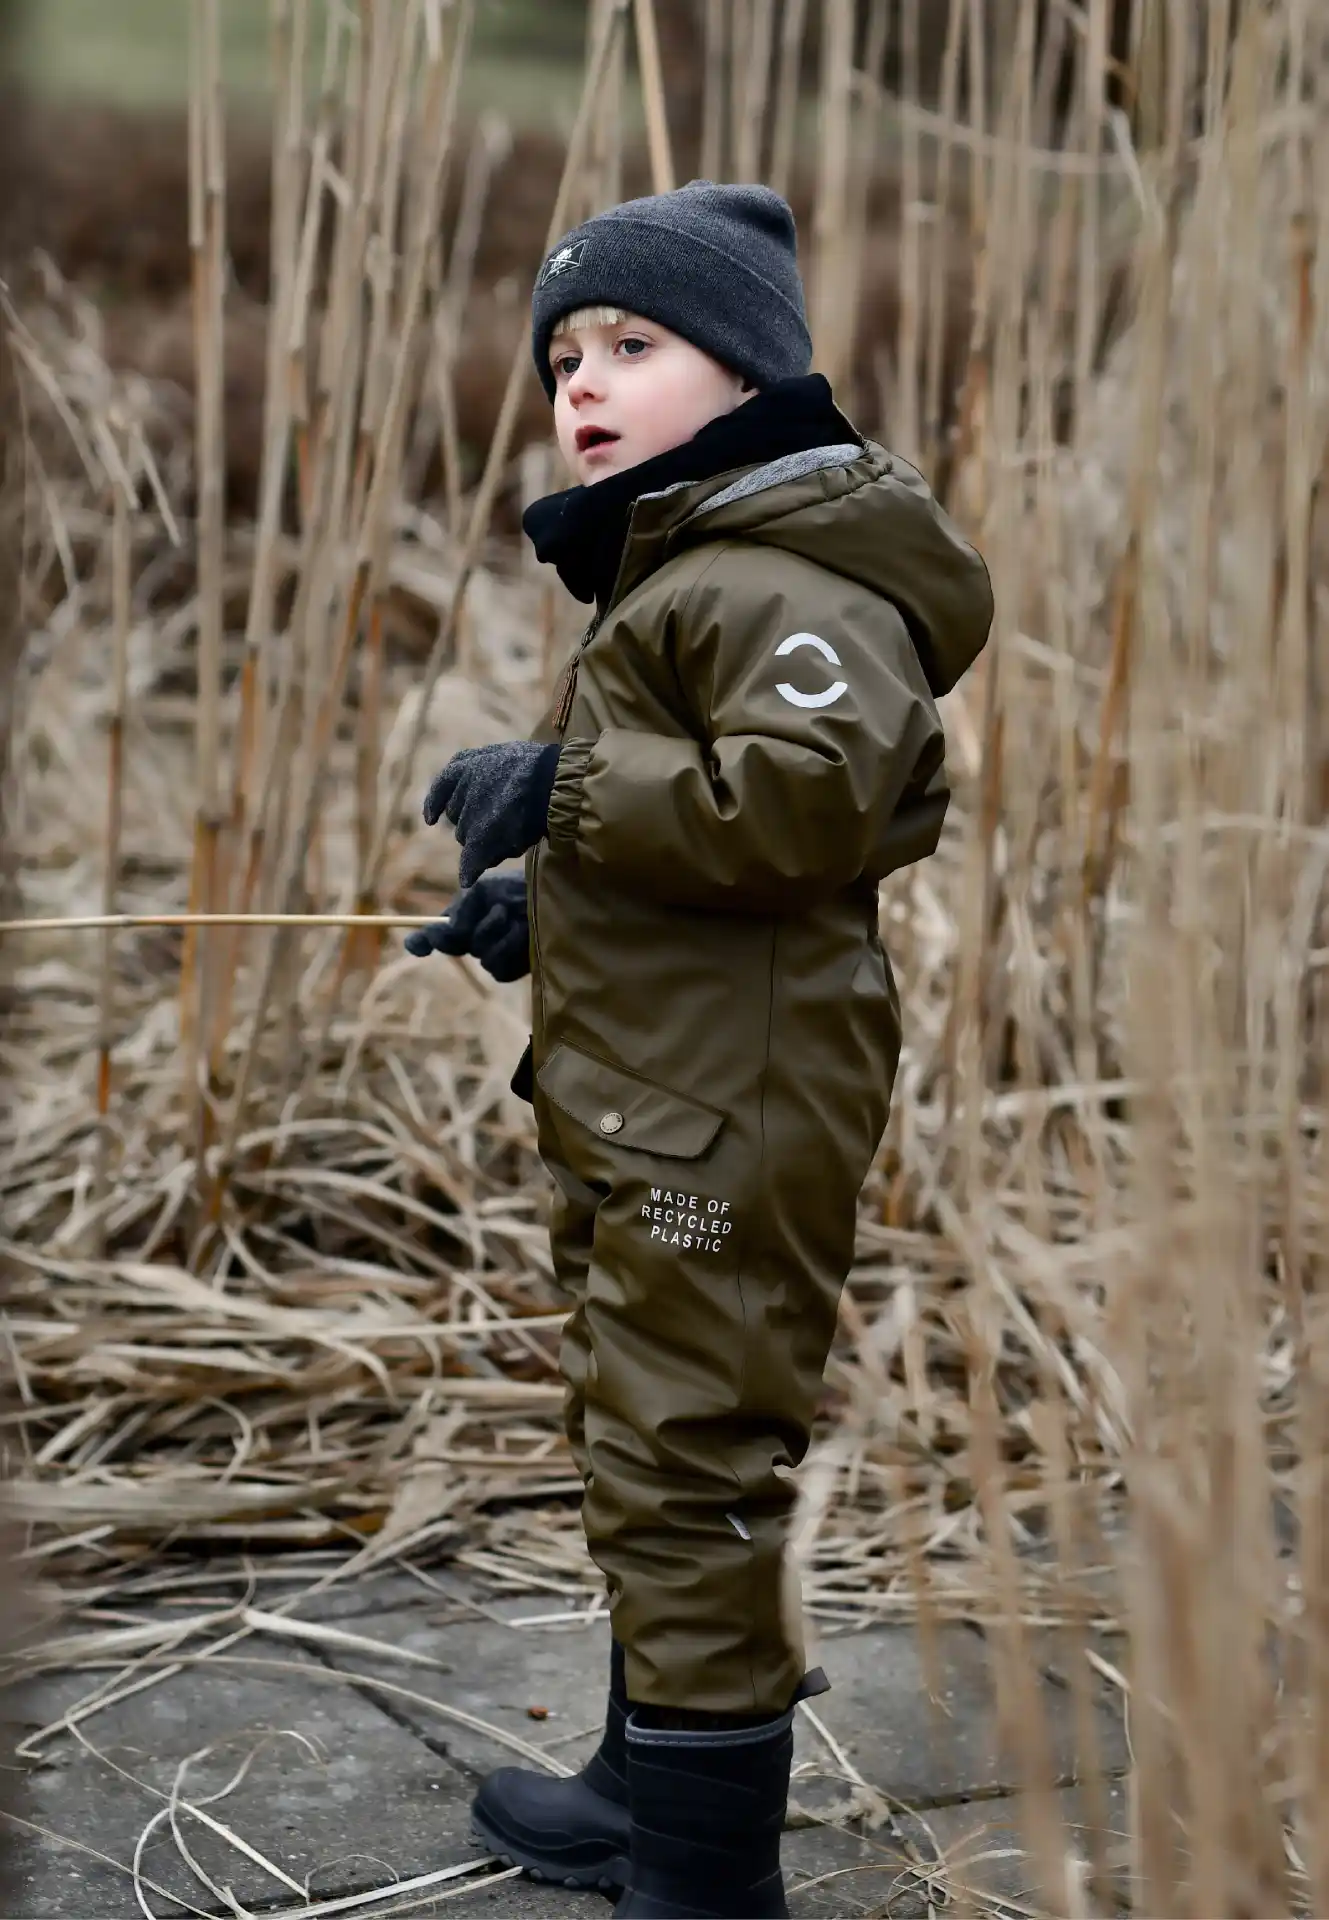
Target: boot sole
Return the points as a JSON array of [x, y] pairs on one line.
[[608, 1875]]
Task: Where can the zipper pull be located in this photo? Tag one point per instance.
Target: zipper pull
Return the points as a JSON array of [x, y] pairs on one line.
[[567, 685]]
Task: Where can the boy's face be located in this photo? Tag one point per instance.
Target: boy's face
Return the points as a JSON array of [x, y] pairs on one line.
[[632, 389]]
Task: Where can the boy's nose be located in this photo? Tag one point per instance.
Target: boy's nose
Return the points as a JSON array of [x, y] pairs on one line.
[[585, 384]]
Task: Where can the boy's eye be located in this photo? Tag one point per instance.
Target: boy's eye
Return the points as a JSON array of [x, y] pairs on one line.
[[566, 364], [633, 340]]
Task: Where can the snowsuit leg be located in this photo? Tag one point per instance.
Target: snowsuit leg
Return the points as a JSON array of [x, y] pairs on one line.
[[710, 1301], [571, 1237]]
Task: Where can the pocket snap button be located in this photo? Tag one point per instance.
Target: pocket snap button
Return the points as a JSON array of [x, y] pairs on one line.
[[611, 1122]]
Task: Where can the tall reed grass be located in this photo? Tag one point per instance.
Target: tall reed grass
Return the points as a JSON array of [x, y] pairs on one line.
[[280, 1221]]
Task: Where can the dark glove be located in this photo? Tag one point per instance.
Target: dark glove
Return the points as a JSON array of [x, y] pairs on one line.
[[488, 920], [497, 799]]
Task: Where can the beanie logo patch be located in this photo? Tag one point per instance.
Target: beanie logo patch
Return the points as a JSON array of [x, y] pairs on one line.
[[562, 261]]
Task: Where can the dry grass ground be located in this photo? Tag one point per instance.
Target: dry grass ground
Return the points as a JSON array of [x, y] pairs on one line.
[[278, 1223]]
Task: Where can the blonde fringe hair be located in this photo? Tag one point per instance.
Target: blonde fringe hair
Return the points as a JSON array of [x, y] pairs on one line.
[[590, 317]]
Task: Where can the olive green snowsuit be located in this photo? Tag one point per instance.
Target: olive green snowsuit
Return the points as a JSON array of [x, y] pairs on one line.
[[750, 745]]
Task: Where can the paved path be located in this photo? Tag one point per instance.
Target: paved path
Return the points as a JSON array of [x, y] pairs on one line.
[[355, 1777]]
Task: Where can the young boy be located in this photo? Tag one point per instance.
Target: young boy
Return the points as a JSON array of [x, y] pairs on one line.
[[745, 744]]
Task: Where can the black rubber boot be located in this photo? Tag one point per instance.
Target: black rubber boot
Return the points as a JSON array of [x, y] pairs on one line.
[[708, 1808], [573, 1832]]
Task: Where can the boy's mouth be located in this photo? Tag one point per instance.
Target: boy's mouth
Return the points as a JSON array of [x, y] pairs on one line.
[[589, 437]]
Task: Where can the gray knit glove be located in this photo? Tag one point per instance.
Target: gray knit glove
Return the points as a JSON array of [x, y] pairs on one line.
[[488, 920], [497, 799]]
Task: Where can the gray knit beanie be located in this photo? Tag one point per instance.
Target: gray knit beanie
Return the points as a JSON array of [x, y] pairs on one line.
[[716, 264]]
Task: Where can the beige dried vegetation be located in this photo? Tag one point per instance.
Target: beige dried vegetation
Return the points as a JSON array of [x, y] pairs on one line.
[[276, 1222]]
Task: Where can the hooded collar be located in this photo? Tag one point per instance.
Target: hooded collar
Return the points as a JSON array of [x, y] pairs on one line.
[[582, 530]]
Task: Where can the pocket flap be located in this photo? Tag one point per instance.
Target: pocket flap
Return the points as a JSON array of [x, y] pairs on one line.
[[626, 1111]]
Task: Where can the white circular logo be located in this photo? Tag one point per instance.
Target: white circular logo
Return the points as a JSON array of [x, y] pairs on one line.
[[827, 652]]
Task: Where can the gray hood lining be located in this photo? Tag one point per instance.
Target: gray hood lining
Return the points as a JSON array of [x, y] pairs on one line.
[[791, 466], [775, 473]]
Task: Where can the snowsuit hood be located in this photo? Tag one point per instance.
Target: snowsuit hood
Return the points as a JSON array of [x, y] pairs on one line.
[[868, 516]]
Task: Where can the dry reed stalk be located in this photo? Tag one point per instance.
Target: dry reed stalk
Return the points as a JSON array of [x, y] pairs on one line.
[[830, 323], [908, 433], [716, 56], [866, 126], [653, 97], [360, 950], [491, 143], [1020, 1708], [793, 27], [207, 242], [121, 610], [754, 64], [290, 40], [1093, 69], [1078, 938], [602, 182], [935, 321], [977, 1012], [1105, 789], [738, 49], [288, 423]]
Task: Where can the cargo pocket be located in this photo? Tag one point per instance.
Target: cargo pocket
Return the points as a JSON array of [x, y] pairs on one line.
[[624, 1110]]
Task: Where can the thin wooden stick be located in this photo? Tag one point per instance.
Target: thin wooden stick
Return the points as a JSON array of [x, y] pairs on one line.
[[653, 97], [121, 922]]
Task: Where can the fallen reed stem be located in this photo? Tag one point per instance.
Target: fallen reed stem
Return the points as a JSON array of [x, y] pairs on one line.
[[90, 923]]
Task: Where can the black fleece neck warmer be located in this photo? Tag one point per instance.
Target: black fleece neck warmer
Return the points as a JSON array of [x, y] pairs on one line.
[[581, 531]]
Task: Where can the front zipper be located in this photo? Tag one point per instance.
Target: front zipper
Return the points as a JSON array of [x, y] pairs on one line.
[[563, 698], [537, 969], [566, 690]]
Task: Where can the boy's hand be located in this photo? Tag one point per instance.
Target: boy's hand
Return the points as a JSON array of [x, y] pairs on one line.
[[488, 920], [497, 799]]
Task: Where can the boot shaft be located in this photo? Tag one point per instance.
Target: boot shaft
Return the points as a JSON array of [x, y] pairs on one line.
[[606, 1772], [708, 1810]]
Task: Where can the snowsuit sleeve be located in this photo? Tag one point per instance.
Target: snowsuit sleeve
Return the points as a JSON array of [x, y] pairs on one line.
[[814, 761]]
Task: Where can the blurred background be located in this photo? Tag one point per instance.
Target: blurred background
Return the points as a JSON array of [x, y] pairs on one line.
[[280, 1289]]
